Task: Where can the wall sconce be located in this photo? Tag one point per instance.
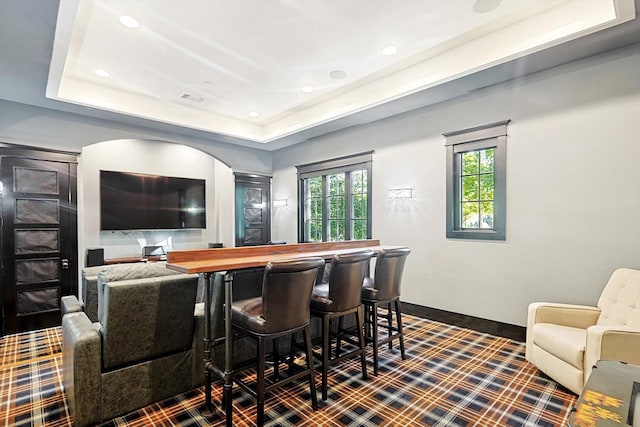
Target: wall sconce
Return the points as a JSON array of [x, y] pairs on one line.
[[400, 193], [279, 203]]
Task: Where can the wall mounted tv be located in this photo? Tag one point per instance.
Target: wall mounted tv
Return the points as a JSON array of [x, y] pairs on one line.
[[133, 201]]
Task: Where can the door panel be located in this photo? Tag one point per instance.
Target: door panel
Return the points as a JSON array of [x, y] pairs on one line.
[[253, 218], [38, 241]]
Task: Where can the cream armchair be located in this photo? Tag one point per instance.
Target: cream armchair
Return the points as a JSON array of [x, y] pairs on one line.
[[564, 341]]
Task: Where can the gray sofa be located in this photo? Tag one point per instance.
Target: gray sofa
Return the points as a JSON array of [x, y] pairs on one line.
[[147, 342]]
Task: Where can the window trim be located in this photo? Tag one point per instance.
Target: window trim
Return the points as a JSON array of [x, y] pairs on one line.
[[350, 163], [493, 135]]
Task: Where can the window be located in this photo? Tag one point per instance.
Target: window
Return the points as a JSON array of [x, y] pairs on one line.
[[476, 190], [335, 199]]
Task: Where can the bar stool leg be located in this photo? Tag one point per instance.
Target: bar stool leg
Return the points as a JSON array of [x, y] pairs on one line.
[[400, 332], [326, 348], [312, 379], [360, 326], [390, 324], [260, 382], [367, 322], [276, 360], [292, 348], [339, 336], [374, 338]]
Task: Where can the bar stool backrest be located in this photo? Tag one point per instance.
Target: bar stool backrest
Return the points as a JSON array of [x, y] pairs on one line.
[[388, 274], [345, 279], [286, 293]]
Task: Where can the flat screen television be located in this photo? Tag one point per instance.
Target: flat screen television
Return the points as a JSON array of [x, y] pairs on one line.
[[133, 201]]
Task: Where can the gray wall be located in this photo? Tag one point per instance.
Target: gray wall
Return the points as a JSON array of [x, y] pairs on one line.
[[41, 127], [572, 183], [573, 198], [109, 145]]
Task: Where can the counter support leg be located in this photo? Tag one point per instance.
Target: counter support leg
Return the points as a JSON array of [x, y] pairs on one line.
[[228, 348], [208, 283]]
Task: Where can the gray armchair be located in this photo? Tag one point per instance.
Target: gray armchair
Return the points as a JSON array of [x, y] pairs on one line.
[[140, 351]]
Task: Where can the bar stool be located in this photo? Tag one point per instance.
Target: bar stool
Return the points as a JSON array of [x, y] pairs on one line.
[[283, 309], [337, 298], [383, 290]]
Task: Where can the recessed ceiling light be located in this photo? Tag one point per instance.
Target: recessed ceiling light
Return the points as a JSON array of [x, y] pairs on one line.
[[484, 6], [129, 21], [307, 89], [192, 98], [254, 114], [389, 50], [337, 74], [102, 73]]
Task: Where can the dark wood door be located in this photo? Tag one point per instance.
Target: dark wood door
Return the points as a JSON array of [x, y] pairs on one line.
[[39, 241], [253, 213]]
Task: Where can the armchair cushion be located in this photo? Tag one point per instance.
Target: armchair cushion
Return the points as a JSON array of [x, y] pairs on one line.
[[143, 318], [620, 299], [564, 342]]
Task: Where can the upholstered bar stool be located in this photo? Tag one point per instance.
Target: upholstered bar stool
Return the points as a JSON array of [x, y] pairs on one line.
[[383, 291], [283, 309], [337, 298]]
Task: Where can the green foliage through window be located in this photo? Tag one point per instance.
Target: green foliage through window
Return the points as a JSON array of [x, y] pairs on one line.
[[339, 201], [313, 207], [477, 184], [359, 202]]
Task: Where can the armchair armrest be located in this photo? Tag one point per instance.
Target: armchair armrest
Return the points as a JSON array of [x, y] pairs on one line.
[[81, 354], [576, 316], [90, 293], [70, 304], [619, 343]]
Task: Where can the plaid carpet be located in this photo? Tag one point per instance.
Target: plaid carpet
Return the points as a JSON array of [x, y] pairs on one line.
[[452, 377]]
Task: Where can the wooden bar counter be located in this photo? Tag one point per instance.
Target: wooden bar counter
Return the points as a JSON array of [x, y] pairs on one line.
[[227, 260]]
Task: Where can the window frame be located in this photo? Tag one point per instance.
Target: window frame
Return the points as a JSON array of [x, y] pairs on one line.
[[492, 135], [346, 164]]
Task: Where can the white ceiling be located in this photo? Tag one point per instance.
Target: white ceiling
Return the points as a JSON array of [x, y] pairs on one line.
[[232, 57]]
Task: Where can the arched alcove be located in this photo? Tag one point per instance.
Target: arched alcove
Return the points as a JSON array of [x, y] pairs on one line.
[[152, 157]]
